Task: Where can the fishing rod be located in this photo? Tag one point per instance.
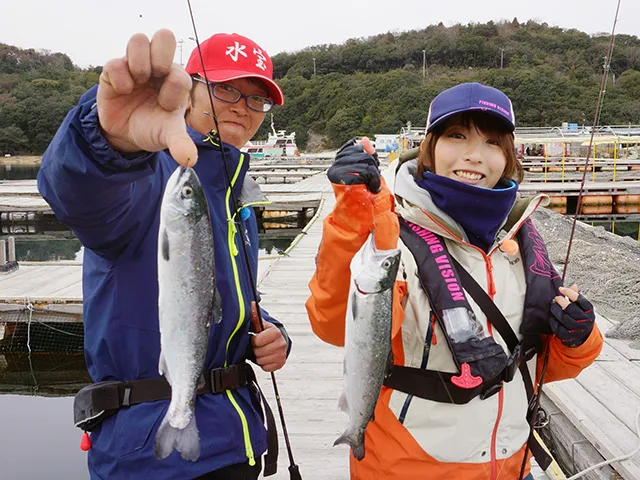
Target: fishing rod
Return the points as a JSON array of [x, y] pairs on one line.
[[596, 121], [214, 135]]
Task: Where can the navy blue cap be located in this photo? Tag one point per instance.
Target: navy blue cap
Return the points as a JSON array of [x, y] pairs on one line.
[[471, 96]]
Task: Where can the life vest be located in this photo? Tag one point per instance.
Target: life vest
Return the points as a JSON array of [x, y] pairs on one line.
[[483, 364]]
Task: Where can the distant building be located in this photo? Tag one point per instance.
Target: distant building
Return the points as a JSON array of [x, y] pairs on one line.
[[386, 142]]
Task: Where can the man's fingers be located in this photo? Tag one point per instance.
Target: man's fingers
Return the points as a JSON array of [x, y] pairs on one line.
[[175, 88], [267, 337], [116, 78], [181, 147], [273, 348], [272, 367], [163, 49], [139, 58]]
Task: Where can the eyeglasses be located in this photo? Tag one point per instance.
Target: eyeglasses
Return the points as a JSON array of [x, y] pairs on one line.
[[226, 93]]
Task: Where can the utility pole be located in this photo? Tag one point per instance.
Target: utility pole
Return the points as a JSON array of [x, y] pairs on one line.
[[181, 41], [424, 64], [501, 58], [314, 65]]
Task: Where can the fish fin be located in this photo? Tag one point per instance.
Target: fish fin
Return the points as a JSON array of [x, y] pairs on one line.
[[358, 451], [165, 245], [343, 404], [163, 369], [186, 440], [217, 306], [356, 444]]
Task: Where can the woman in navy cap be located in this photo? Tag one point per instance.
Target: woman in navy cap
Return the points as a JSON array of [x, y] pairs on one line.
[[104, 175], [477, 303]]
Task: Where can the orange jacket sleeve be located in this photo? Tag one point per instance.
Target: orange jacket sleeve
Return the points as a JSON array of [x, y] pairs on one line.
[[566, 362], [357, 212]]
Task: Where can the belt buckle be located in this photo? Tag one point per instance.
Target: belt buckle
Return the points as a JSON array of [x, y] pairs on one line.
[[216, 380], [491, 391], [513, 363]]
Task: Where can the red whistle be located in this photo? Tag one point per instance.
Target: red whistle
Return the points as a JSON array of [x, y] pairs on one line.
[[466, 380], [85, 442]]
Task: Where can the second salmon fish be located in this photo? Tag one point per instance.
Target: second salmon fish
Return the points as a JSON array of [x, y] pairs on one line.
[[367, 338]]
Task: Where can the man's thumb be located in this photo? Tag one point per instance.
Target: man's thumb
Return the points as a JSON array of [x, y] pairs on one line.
[[182, 148]]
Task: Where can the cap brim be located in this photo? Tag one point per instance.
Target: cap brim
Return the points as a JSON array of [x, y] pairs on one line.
[[275, 92], [507, 123]]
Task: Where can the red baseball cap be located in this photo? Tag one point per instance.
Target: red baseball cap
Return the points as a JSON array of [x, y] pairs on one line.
[[228, 56]]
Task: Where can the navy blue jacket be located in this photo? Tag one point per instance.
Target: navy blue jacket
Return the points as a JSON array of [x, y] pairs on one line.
[[112, 204]]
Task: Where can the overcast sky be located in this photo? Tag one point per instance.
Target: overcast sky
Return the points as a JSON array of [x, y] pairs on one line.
[[93, 31]]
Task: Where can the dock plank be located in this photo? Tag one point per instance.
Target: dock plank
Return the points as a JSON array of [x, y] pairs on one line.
[[601, 428], [39, 280]]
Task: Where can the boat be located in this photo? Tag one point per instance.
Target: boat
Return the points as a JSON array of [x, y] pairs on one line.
[[278, 144]]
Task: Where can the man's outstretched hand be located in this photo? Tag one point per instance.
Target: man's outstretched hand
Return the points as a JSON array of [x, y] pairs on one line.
[[142, 98]]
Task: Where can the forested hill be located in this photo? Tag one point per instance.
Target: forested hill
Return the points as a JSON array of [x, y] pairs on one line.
[[375, 84], [37, 89]]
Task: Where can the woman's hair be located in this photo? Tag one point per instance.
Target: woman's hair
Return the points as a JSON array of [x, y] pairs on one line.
[[487, 124]]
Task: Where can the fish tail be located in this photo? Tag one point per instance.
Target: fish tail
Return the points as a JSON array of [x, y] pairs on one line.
[[355, 441], [186, 440]]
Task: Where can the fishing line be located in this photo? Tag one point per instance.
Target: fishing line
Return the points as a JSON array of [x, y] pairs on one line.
[[596, 120], [215, 135]]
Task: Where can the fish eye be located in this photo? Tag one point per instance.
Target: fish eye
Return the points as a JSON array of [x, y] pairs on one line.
[[187, 191], [386, 264]]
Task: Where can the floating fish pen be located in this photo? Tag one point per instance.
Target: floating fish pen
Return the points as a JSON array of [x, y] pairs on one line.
[[30, 327], [45, 374]]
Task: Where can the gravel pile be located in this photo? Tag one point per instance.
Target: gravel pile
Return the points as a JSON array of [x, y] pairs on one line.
[[606, 268]]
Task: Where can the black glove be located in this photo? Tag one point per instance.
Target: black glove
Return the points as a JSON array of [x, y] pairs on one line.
[[354, 166], [573, 325]]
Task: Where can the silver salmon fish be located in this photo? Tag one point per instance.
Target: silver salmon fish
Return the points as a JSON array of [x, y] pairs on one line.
[[188, 301], [367, 338]]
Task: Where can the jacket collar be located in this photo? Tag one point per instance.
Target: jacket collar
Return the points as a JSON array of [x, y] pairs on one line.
[[415, 204]]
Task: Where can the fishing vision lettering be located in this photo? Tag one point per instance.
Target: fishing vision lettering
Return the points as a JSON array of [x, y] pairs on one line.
[[447, 272]]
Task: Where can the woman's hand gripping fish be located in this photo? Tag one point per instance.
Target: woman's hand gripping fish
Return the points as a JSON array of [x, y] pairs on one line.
[[188, 300], [367, 339]]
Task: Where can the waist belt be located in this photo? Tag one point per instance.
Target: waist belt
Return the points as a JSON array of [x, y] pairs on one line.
[[98, 401], [437, 386], [115, 395]]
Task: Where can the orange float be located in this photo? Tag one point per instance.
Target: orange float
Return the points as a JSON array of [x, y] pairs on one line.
[[596, 209], [627, 199], [626, 208], [562, 209], [557, 200], [597, 200]]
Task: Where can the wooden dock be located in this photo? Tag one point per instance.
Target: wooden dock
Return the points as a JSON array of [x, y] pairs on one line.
[[311, 382], [603, 404], [19, 198]]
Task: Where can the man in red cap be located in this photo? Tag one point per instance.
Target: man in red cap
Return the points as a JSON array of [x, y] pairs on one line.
[[104, 175]]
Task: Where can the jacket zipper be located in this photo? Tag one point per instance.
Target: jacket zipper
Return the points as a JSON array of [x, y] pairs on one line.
[[491, 286], [233, 250], [494, 435]]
